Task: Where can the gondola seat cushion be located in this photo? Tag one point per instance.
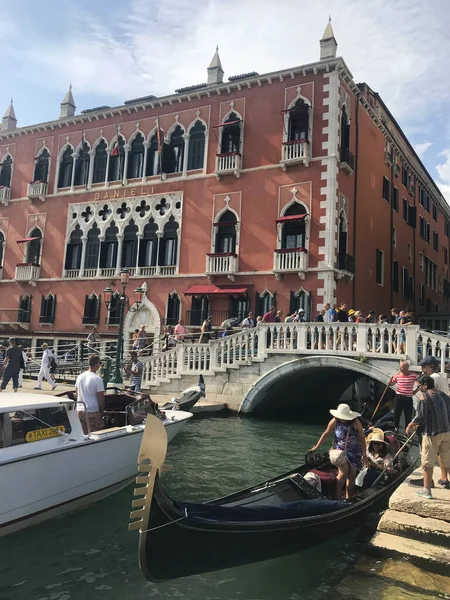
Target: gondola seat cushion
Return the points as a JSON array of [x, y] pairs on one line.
[[328, 481]]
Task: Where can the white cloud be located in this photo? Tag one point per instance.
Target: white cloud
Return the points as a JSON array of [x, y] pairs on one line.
[[155, 46], [422, 148], [444, 174]]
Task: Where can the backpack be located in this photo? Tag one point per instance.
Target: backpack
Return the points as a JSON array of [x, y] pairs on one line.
[[52, 365]]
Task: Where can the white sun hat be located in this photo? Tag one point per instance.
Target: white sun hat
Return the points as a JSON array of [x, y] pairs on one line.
[[344, 413]]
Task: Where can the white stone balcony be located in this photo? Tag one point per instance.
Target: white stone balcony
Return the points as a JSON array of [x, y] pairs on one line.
[[288, 260], [37, 190], [109, 272], [225, 263], [5, 194], [293, 153], [27, 272], [72, 273], [228, 164]]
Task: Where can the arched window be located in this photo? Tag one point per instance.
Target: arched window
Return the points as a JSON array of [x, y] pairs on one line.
[[114, 310], [298, 129], [293, 230], [24, 312], [91, 314], [2, 245], [152, 166], [149, 245], [345, 133], [48, 309], [173, 309], [65, 169], [108, 256], [41, 165], [264, 301], [173, 153], [168, 244], [92, 248], [73, 252], [129, 247], [116, 161], [231, 135], [196, 157], [136, 158], [342, 242], [100, 160], [34, 247], [82, 165], [226, 233], [199, 310], [5, 171]]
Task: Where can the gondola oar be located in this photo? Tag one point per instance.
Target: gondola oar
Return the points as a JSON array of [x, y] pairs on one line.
[[381, 399]]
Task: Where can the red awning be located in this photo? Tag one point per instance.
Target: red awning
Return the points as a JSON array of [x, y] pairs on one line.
[[27, 240], [215, 290], [227, 123], [290, 218]]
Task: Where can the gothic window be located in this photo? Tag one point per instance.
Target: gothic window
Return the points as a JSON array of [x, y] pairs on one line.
[[48, 309], [263, 302], [199, 310], [342, 242], [24, 313], [238, 307], [73, 252], [168, 244], [100, 161], [293, 233], [117, 160], [129, 247], [108, 255], [34, 247], [82, 163], [345, 135], [66, 168], [298, 127], [152, 167], [149, 245], [41, 165], [5, 171], [2, 245], [136, 158], [173, 309], [196, 156], [114, 310], [92, 248], [298, 300], [173, 153], [225, 233], [91, 314], [231, 135]]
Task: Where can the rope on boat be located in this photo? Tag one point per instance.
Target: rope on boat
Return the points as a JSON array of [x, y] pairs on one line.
[[165, 524]]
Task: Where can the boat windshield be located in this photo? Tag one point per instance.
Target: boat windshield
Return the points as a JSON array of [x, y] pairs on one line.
[[25, 427]]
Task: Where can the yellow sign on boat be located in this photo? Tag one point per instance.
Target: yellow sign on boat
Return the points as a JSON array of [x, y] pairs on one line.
[[44, 434]]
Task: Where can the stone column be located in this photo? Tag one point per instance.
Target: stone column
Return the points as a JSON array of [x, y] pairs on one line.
[[83, 255], [72, 181], [101, 239], [139, 238], [186, 137], [119, 254], [125, 164], [159, 234], [91, 168], [144, 170], [108, 156]]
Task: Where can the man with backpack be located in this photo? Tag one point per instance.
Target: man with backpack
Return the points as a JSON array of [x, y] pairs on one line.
[[47, 360]]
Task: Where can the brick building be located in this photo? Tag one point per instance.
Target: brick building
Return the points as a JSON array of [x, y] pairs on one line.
[[291, 188]]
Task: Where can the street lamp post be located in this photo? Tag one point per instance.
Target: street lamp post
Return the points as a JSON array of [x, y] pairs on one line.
[[122, 302]]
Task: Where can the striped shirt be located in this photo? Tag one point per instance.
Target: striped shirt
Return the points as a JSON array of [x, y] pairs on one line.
[[405, 383]]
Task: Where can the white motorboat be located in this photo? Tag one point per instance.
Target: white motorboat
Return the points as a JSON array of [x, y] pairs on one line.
[[48, 466]]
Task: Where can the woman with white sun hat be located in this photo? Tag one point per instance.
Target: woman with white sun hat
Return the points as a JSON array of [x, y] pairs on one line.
[[349, 446]]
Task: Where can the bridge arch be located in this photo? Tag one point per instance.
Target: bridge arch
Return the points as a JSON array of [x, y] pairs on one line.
[[315, 382]]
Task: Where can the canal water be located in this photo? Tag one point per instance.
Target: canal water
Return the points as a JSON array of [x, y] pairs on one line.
[[90, 553]]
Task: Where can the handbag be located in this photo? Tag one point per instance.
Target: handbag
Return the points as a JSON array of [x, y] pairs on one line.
[[338, 457]]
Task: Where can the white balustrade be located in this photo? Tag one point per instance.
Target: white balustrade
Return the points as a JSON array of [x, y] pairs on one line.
[[27, 272], [290, 260], [37, 189], [228, 163], [90, 273], [169, 270], [5, 194], [221, 263], [296, 151], [72, 273], [107, 272], [148, 271]]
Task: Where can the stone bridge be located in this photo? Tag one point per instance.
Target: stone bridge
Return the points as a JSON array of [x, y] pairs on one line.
[[274, 366]]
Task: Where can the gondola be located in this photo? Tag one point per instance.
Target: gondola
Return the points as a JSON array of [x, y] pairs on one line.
[[275, 518], [188, 398]]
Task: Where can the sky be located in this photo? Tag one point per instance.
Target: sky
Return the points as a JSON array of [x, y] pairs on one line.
[[111, 51]]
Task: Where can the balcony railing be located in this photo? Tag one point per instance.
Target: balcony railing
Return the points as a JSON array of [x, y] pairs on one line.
[[90, 273], [148, 271], [347, 161], [221, 263], [37, 190], [167, 270], [72, 273], [295, 152], [108, 272], [27, 272], [5, 194], [230, 162], [346, 262], [290, 260]]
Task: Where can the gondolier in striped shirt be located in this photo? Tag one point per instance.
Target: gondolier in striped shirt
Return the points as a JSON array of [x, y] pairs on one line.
[[405, 381]]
